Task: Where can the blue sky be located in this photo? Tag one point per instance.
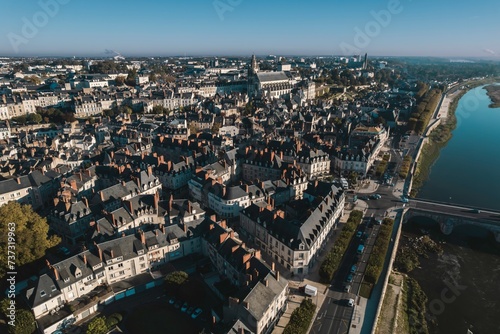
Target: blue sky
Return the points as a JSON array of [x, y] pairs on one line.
[[447, 28]]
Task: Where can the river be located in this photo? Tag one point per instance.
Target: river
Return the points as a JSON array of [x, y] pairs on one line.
[[467, 170], [467, 173]]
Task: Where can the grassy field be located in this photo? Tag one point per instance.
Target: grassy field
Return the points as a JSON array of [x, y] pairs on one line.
[[153, 319]]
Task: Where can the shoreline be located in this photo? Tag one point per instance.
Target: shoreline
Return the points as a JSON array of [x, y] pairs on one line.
[[493, 92], [442, 134]]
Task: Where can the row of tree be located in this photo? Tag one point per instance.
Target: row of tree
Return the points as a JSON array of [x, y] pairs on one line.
[[419, 119], [332, 260], [379, 252], [301, 318]]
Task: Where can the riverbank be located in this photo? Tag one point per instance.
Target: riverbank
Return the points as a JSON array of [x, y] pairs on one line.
[[441, 135], [494, 95]]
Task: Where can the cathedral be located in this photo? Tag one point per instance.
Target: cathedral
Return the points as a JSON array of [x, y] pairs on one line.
[[267, 84]]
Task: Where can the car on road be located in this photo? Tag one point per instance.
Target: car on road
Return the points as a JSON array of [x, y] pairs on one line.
[[359, 234], [184, 307], [404, 199], [172, 301], [353, 269], [350, 302], [476, 211], [349, 278], [196, 313], [347, 288]]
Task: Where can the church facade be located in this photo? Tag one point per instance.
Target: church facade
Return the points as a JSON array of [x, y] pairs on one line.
[[267, 84]]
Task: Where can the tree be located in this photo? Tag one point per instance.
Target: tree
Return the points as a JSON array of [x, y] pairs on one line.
[[25, 323], [215, 128], [30, 232], [119, 80], [97, 326], [176, 278], [34, 118]]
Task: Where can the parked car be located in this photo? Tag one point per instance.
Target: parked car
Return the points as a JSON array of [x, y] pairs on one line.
[[196, 313], [347, 288], [350, 302], [177, 304], [353, 269], [184, 307], [171, 301], [349, 278], [359, 234]]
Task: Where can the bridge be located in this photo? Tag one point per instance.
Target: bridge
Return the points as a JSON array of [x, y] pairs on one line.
[[449, 215]]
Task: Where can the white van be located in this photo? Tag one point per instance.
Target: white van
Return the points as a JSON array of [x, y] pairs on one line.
[[310, 290]]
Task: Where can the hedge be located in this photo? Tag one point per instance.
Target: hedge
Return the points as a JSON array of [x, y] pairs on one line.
[[301, 318], [379, 251], [332, 260]]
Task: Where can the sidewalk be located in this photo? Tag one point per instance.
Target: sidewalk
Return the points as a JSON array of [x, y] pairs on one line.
[[367, 187]]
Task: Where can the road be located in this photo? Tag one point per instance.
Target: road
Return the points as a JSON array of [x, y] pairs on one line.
[[335, 315]]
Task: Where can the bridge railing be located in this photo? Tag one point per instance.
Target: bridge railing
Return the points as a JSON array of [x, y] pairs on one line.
[[424, 200]]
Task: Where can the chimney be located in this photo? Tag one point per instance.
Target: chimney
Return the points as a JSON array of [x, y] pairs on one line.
[[112, 254], [189, 207], [278, 276], [266, 282], [129, 206], [81, 176], [150, 171], [162, 228], [56, 273], [223, 191], [98, 228], [85, 201], [257, 254], [85, 259], [213, 218], [102, 195], [72, 183], [157, 199], [273, 266], [143, 237], [185, 227], [18, 180], [315, 184], [99, 250], [246, 188], [170, 202]]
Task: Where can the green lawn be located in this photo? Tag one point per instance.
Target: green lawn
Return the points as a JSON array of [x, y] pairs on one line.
[[158, 318]]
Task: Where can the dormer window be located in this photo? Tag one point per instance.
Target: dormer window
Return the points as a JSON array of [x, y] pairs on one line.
[[42, 293], [66, 280], [140, 252], [53, 288], [78, 274]]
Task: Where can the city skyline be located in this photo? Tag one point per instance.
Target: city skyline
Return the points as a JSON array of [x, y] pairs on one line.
[[239, 27]]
